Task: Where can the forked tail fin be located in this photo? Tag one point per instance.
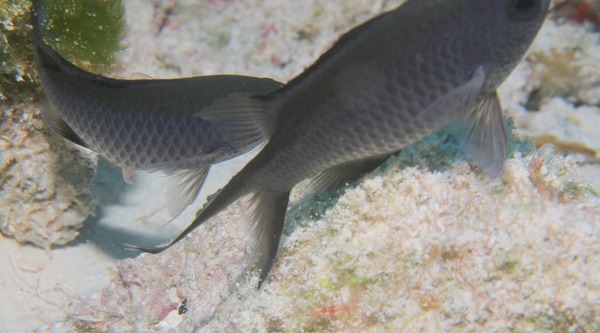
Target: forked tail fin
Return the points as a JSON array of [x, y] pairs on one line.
[[266, 212], [244, 120]]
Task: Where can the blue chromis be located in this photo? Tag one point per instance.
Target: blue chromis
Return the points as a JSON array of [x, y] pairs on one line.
[[384, 85], [143, 124]]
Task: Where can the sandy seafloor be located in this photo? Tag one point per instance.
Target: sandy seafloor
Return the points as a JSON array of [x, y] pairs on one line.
[[45, 290]]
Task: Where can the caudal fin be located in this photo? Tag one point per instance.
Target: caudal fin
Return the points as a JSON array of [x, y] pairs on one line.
[[243, 121], [266, 213]]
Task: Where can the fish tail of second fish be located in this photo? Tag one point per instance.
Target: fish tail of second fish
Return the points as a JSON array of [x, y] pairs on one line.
[[240, 117], [265, 210]]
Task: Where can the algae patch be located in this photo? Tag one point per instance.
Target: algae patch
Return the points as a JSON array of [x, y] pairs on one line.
[[88, 33]]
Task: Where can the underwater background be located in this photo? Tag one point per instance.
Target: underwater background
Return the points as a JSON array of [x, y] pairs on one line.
[[424, 243]]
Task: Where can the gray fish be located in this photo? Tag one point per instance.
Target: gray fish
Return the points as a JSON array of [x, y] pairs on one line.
[[386, 84], [144, 124]]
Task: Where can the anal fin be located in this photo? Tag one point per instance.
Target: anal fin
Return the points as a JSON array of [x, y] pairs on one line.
[[186, 182], [339, 175]]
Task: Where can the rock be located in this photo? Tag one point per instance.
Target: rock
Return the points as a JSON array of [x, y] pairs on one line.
[[45, 183]]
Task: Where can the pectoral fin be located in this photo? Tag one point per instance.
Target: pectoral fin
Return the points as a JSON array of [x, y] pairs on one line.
[[483, 135], [183, 189]]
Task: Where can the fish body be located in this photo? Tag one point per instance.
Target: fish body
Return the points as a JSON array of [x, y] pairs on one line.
[[142, 124], [388, 83], [147, 124]]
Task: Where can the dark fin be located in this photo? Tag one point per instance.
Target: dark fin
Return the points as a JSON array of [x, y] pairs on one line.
[[339, 175], [183, 189], [60, 127], [266, 213], [241, 120], [458, 99], [483, 135], [185, 183]]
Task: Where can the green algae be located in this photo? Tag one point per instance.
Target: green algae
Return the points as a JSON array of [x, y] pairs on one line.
[[575, 190], [88, 33]]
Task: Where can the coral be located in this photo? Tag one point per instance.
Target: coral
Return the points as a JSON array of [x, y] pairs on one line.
[[571, 129], [580, 11], [45, 183], [280, 47]]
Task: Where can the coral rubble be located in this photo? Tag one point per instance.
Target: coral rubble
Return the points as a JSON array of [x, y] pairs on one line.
[[405, 249], [45, 183]]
